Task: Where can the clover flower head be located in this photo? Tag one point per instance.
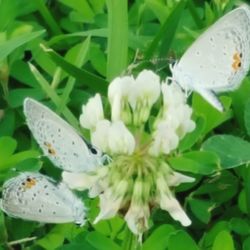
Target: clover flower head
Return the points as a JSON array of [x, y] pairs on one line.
[[138, 178]]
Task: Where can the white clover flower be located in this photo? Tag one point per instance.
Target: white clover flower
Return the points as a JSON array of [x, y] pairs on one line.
[[165, 139], [121, 141], [83, 181], [138, 212], [137, 178], [113, 137], [174, 121], [169, 203], [92, 112], [114, 195], [172, 95], [175, 179], [143, 94], [118, 92], [99, 137]]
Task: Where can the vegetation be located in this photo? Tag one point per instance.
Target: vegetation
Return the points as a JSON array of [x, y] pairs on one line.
[[63, 52]]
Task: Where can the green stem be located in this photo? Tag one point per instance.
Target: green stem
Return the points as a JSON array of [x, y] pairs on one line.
[[129, 241], [48, 17]]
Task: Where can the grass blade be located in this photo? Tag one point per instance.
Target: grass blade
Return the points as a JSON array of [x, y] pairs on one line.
[[48, 18], [9, 46], [166, 34], [92, 81], [117, 37], [54, 97]]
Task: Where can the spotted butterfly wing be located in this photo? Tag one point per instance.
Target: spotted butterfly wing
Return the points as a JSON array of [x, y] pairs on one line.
[[35, 197], [59, 141], [219, 59]]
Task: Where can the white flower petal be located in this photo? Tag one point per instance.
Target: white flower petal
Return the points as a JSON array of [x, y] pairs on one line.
[[137, 218], [99, 137], [169, 203], [146, 87], [172, 94], [117, 94], [78, 181], [92, 112], [121, 140], [175, 179], [110, 201], [165, 139]]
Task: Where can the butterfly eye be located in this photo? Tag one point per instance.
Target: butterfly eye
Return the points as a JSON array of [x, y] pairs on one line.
[[93, 151]]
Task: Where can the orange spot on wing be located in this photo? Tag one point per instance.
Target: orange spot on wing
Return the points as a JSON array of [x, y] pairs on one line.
[[51, 150], [29, 183], [236, 61]]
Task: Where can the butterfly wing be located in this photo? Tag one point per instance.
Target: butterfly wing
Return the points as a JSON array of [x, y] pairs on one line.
[[59, 141], [35, 197], [220, 58]]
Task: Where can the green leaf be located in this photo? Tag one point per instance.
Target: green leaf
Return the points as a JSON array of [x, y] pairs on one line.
[[51, 241], [166, 34], [7, 124], [54, 97], [56, 236], [17, 158], [7, 147], [242, 202], [211, 234], [160, 9], [232, 150], [198, 162], [201, 209], [223, 241], [21, 72], [246, 176], [221, 188], [193, 11], [16, 96], [246, 244], [239, 99], [180, 239], [30, 164], [3, 231], [247, 116], [191, 138], [78, 55], [19, 229], [94, 82], [92, 33], [117, 37], [212, 116], [159, 238], [47, 16], [83, 7], [100, 242], [10, 45], [239, 226]]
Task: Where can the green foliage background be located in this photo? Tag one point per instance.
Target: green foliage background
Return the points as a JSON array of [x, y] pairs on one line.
[[77, 47]]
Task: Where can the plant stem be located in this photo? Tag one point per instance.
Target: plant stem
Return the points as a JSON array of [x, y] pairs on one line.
[[15, 242], [129, 240]]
